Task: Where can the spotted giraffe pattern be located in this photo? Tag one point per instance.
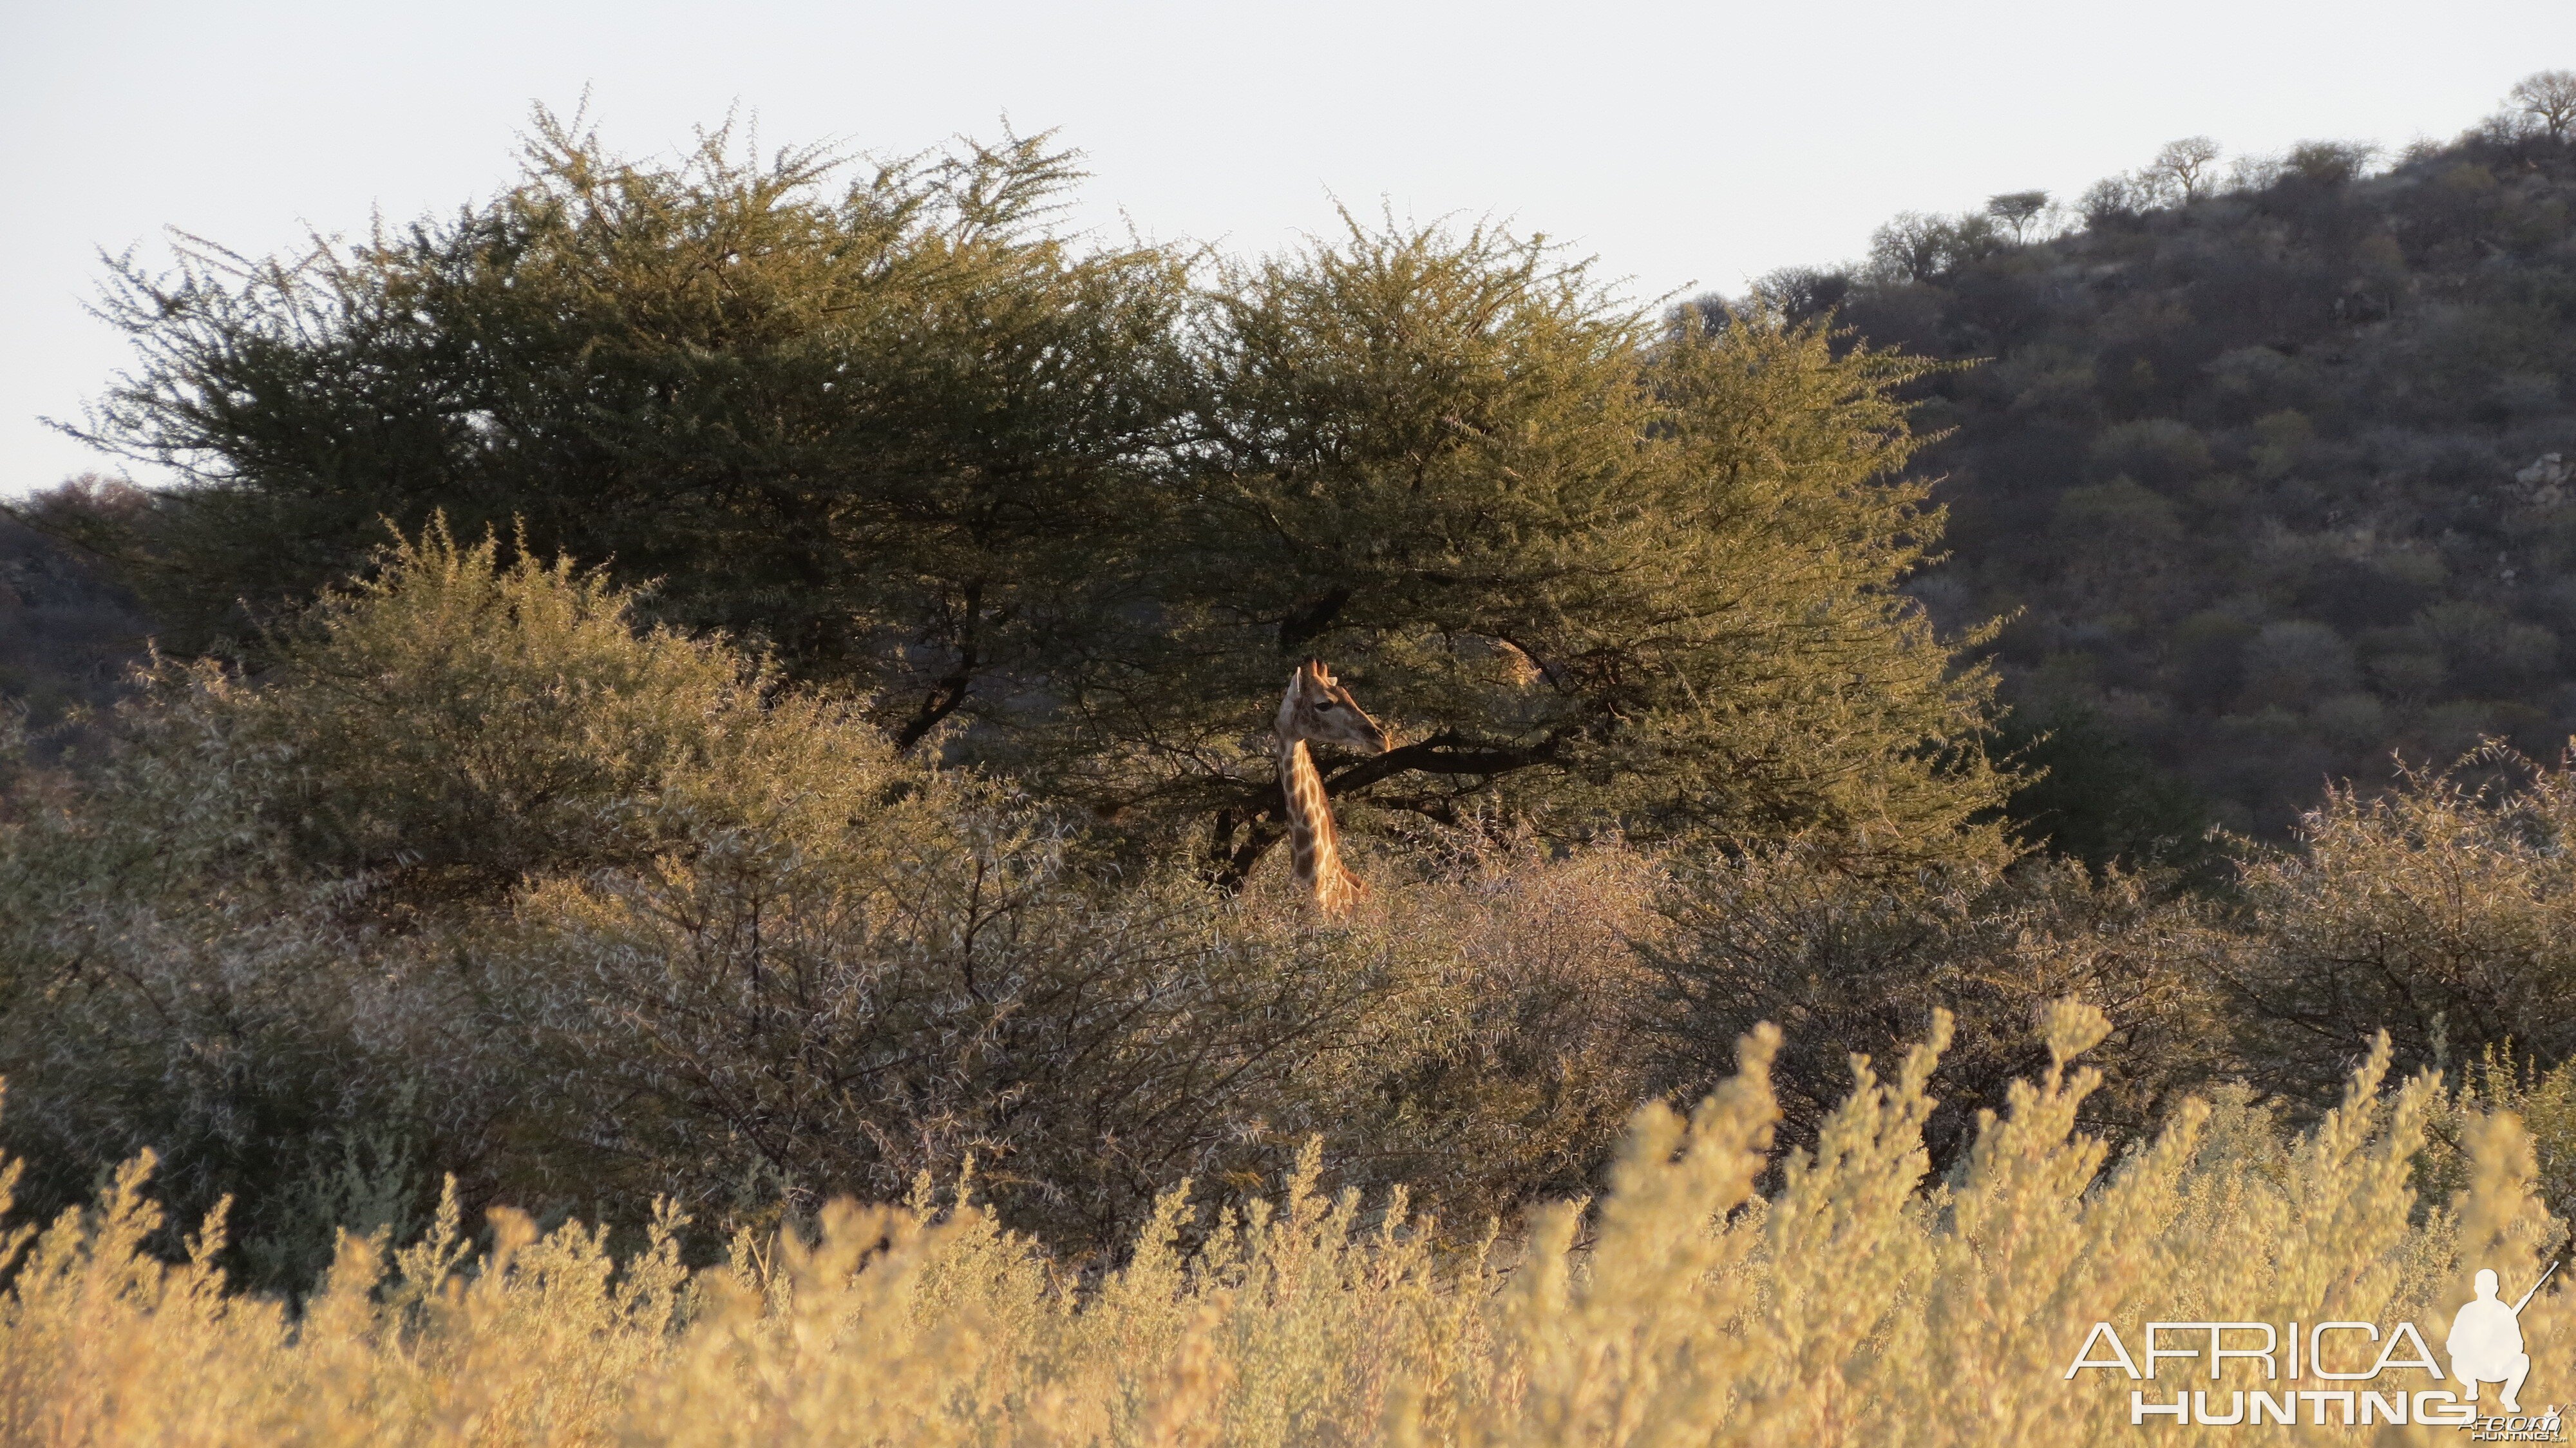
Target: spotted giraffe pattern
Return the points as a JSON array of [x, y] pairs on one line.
[[1319, 710]]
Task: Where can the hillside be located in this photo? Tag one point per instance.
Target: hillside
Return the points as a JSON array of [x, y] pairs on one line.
[[2271, 476]]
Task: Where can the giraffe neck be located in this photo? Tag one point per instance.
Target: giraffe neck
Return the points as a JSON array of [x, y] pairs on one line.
[[1315, 846]]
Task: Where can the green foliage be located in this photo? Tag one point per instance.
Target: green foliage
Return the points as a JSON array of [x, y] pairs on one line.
[[457, 725], [1598, 577], [889, 426], [674, 928]]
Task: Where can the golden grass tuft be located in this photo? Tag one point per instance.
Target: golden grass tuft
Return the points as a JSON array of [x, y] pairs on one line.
[[1856, 1304]]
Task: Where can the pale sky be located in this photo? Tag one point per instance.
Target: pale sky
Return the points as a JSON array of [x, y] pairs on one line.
[[1689, 147]]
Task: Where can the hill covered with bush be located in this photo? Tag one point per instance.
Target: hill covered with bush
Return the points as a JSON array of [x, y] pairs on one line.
[[2270, 466]]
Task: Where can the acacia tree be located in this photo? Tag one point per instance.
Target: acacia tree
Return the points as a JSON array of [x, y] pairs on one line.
[[2019, 210], [1607, 573], [1598, 572], [888, 427]]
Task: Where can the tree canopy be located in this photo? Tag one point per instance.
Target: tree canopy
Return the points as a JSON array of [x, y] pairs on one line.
[[881, 425], [1601, 572], [1072, 509]]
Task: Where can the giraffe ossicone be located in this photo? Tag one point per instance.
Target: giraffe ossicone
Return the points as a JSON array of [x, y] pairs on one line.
[[1318, 710]]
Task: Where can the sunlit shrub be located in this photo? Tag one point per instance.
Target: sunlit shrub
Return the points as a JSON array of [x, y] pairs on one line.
[[473, 874], [2444, 910]]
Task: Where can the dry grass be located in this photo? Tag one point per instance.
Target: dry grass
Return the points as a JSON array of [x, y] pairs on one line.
[[1856, 1305]]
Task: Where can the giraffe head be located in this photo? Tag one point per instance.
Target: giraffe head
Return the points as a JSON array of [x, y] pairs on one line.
[[1320, 711]]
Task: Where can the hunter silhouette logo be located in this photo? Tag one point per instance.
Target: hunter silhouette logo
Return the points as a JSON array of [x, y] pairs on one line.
[[2486, 1340], [2352, 1387]]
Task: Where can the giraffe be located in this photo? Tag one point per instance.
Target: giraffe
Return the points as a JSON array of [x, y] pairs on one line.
[[1320, 710]]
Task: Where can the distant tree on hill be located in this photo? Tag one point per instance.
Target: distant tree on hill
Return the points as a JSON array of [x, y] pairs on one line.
[[2328, 162], [2184, 170], [2113, 199], [2018, 210], [1804, 293], [1917, 246], [2549, 98], [1910, 246]]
